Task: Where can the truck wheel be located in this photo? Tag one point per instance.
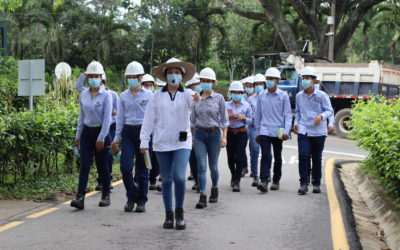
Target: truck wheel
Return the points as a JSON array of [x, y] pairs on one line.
[[342, 118]]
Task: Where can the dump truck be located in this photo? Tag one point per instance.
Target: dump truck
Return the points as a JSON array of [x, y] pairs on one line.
[[343, 82]]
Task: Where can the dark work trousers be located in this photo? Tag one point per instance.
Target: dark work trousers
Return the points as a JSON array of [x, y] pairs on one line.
[[310, 146], [131, 158], [87, 150], [193, 164], [266, 158], [155, 168], [236, 151], [110, 158]]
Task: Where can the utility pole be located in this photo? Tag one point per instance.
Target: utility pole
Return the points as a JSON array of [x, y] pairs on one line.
[[331, 22]]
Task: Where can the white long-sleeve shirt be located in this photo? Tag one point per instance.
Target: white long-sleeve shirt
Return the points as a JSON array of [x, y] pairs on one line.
[[166, 116]]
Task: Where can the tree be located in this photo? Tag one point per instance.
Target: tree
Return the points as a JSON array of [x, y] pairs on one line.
[[313, 15]]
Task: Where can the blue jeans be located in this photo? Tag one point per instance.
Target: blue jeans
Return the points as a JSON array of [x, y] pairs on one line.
[[130, 151], [87, 149], [207, 144], [173, 169], [254, 150], [236, 151], [266, 158], [310, 145]]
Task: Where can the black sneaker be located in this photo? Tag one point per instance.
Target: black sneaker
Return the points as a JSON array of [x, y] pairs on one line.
[[190, 178], [152, 187], [316, 189], [303, 189], [255, 181], [130, 204], [263, 187], [140, 208], [275, 186], [236, 187]]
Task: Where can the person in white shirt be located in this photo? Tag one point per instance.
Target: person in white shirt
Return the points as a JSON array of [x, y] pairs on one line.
[[168, 117]]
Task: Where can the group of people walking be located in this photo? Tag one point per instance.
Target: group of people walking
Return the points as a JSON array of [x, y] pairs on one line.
[[177, 125]]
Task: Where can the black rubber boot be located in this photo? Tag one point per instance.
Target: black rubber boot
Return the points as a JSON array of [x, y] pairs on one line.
[[202, 202], [169, 220], [79, 202], [180, 223], [236, 187], [105, 200], [214, 195], [316, 189]]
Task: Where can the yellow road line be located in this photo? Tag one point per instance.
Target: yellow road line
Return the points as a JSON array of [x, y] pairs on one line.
[[339, 237], [10, 225], [38, 214], [94, 192]]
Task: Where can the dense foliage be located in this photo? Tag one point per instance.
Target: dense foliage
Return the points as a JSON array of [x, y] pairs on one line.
[[376, 126]]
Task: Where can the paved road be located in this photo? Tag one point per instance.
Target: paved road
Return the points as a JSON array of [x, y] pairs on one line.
[[246, 220]]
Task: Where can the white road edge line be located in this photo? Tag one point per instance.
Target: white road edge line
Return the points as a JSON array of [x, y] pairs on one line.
[[331, 152]]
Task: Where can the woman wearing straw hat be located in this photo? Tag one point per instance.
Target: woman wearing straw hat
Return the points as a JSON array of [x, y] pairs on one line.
[[168, 118]]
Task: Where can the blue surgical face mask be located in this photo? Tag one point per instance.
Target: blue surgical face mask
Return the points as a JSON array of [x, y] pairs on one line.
[[259, 88], [94, 82], [249, 90], [198, 89], [133, 83], [236, 97], [174, 79], [205, 86], [306, 83], [317, 86], [270, 84]]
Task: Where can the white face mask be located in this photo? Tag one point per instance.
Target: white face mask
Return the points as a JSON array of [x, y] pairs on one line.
[[150, 89]]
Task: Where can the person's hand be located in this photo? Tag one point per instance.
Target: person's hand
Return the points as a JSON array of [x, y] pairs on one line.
[[115, 147], [232, 117], [78, 142], [143, 150], [258, 139], [114, 112], [284, 137], [196, 97], [99, 146], [331, 129], [241, 117], [223, 142], [296, 129], [317, 120]]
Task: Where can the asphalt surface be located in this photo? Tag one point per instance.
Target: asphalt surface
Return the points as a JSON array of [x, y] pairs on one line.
[[246, 220]]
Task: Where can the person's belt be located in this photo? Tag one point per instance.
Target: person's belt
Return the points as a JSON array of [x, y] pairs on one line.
[[208, 130], [237, 130], [133, 126]]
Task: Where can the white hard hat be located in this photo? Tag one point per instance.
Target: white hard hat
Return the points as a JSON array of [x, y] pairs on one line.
[[134, 68], [235, 86], [249, 79], [160, 83], [148, 78], [259, 78], [273, 72], [308, 71], [94, 68], [208, 73], [194, 80]]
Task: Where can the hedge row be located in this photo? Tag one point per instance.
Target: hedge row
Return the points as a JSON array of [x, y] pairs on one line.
[[376, 127]]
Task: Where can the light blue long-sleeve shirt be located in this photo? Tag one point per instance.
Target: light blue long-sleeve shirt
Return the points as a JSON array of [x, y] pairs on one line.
[[243, 109], [273, 111], [131, 109], [95, 112], [307, 108], [115, 98]]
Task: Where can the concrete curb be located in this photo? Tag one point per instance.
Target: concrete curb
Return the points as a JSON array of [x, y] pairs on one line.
[[377, 218]]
